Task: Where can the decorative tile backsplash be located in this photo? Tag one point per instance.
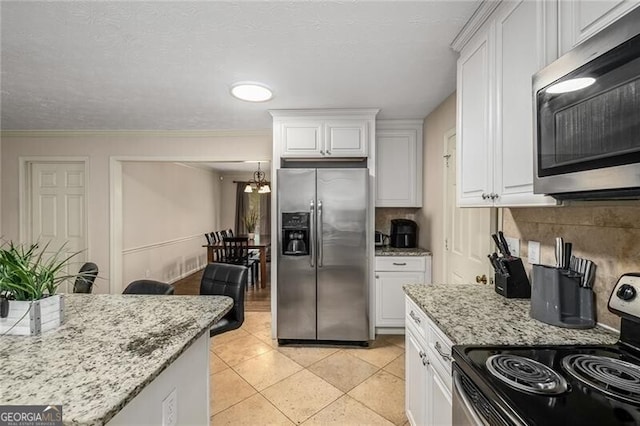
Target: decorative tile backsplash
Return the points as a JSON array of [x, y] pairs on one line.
[[385, 214], [609, 236]]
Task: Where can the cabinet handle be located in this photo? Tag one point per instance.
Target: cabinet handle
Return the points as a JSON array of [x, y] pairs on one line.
[[494, 195], [322, 151], [444, 356], [377, 276], [425, 360], [484, 196], [328, 152], [400, 263], [415, 318]]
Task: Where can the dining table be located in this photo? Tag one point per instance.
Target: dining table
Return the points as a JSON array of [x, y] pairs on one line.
[[259, 242]]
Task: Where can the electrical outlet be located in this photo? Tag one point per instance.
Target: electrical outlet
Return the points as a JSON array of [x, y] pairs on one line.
[[147, 273], [514, 246], [170, 409], [534, 252]]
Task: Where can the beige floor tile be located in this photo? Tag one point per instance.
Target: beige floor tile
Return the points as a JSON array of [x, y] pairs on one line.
[[216, 365], [255, 410], [256, 321], [264, 334], [343, 370], [383, 393], [306, 356], [266, 369], [226, 389], [302, 395], [347, 411], [242, 349], [395, 339], [227, 337], [396, 367], [379, 354]]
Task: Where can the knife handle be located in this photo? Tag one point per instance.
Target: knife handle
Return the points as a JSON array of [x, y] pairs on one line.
[[505, 245], [498, 244]]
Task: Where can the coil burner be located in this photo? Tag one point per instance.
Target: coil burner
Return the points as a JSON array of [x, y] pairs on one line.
[[526, 374], [612, 376]]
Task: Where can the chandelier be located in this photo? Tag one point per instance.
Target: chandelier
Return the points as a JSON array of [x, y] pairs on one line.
[[258, 182]]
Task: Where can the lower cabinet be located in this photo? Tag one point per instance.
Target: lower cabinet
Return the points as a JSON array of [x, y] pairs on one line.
[[428, 371]]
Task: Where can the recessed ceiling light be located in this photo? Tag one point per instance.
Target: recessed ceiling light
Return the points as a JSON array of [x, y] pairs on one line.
[[251, 91], [571, 85]]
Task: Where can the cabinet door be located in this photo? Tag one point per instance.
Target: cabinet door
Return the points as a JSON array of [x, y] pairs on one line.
[[416, 398], [440, 413], [397, 174], [522, 45], [346, 138], [474, 151], [302, 139], [390, 296], [580, 19]]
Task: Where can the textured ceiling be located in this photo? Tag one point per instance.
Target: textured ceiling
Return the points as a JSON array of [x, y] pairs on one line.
[[103, 65]]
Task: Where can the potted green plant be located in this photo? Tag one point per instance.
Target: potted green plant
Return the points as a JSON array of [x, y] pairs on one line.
[[29, 280], [250, 222]]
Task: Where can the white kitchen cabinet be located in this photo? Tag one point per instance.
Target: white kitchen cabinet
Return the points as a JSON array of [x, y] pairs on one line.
[[495, 105], [428, 372], [399, 163], [392, 272], [580, 19], [323, 133]]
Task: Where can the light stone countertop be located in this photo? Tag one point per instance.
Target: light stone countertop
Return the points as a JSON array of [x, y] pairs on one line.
[[392, 251], [474, 314], [108, 349]]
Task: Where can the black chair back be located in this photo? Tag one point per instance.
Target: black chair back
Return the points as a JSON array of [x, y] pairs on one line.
[[230, 233], [236, 250], [149, 287], [86, 277], [214, 237], [208, 237], [224, 279]]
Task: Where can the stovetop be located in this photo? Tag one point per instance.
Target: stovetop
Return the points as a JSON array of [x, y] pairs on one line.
[[571, 399]]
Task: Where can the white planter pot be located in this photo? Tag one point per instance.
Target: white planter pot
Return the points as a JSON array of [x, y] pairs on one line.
[[33, 317]]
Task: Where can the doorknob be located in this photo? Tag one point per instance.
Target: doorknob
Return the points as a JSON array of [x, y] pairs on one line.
[[481, 279]]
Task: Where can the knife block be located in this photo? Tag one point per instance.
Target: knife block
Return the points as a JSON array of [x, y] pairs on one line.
[[558, 299], [516, 284]]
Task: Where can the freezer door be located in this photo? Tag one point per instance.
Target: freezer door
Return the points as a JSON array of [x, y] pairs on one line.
[[296, 282], [342, 254]]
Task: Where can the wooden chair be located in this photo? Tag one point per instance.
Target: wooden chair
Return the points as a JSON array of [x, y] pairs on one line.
[[236, 251]]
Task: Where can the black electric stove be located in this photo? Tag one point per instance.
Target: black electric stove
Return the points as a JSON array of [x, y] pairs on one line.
[[555, 384]]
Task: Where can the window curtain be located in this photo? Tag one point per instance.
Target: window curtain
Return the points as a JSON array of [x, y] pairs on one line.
[[265, 214], [242, 207]]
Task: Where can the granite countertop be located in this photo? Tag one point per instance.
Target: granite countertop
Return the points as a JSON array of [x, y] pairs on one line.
[[108, 349], [392, 251], [474, 314]]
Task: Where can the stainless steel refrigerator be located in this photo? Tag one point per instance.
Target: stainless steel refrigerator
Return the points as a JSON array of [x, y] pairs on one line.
[[322, 284]]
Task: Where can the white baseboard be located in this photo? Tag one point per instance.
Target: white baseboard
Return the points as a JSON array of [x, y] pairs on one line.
[[186, 274], [389, 330]]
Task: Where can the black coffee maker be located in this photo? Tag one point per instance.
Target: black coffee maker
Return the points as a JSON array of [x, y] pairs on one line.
[[404, 233]]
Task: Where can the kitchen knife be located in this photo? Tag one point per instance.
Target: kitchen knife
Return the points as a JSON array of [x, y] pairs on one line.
[[592, 274], [566, 256], [498, 243], [559, 249], [492, 260], [572, 263], [505, 245]]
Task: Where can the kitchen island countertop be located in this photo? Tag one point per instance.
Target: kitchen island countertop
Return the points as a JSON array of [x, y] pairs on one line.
[[473, 314], [392, 251], [108, 349]]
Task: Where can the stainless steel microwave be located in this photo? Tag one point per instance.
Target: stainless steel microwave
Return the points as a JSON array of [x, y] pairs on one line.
[[587, 117]]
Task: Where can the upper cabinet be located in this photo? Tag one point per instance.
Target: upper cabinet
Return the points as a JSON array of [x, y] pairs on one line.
[[580, 19], [399, 163], [495, 105], [324, 133]]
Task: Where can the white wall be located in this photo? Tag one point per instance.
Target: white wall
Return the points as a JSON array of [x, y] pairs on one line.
[[431, 217], [166, 209], [100, 147]]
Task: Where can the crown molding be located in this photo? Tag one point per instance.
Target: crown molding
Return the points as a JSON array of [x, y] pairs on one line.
[[478, 18], [138, 133], [327, 112]]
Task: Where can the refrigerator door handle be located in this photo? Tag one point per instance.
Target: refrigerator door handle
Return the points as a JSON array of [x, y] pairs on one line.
[[320, 256], [312, 233]]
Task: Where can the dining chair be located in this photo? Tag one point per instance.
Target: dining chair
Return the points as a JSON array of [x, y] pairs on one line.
[[230, 233], [148, 287], [236, 251], [226, 280], [208, 237], [86, 277]]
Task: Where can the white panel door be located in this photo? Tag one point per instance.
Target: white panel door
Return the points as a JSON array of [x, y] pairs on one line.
[[390, 296], [475, 164], [57, 210], [521, 50], [467, 232]]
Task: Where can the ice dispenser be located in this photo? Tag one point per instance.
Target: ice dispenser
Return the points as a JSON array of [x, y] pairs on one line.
[[295, 233]]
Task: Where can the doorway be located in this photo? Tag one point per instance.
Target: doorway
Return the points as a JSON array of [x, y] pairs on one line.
[[468, 231]]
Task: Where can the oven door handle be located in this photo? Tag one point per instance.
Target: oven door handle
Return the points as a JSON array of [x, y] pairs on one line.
[[469, 408]]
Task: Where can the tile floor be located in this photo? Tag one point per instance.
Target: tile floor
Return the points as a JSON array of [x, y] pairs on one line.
[[255, 382]]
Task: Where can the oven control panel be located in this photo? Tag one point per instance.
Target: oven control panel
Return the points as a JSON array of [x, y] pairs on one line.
[[625, 297]]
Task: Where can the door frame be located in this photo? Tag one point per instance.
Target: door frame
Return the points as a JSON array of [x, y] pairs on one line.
[[24, 193]]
